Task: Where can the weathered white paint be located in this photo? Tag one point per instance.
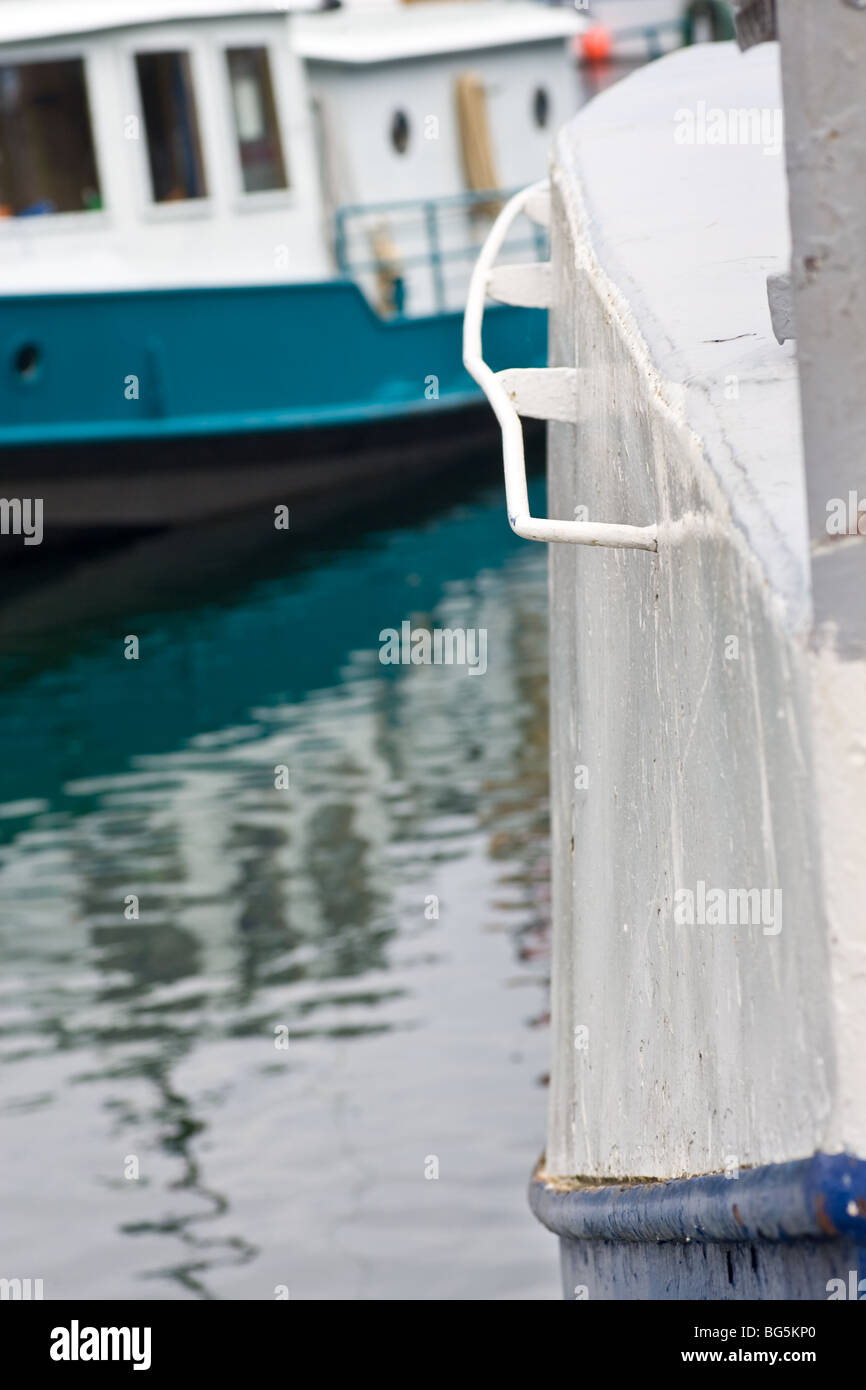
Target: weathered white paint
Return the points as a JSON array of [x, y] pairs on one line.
[[824, 53], [681, 756], [542, 393]]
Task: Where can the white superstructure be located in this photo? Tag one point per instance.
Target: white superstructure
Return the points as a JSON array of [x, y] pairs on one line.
[[212, 141]]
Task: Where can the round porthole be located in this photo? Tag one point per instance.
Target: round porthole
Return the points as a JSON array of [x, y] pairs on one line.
[[26, 362], [541, 107], [400, 132]]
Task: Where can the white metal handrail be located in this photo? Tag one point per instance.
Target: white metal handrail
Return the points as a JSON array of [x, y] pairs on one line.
[[513, 459]]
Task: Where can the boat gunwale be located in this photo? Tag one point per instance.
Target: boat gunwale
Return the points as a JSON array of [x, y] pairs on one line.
[[819, 1198]]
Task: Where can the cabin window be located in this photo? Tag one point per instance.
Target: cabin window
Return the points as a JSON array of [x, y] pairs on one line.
[[255, 115], [47, 157], [171, 123], [400, 132]]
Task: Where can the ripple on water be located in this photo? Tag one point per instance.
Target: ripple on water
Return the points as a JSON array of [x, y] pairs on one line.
[[169, 918]]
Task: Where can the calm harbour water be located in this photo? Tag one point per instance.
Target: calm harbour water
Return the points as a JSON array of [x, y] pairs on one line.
[[151, 1043]]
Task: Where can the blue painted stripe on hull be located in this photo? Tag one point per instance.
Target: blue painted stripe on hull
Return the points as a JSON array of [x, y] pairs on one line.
[[234, 360], [823, 1196], [793, 1231]]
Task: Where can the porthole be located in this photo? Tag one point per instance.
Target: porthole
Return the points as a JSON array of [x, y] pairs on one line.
[[541, 107], [400, 132], [26, 362]]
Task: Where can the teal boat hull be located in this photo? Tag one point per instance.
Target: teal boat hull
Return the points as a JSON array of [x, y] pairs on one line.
[[236, 360]]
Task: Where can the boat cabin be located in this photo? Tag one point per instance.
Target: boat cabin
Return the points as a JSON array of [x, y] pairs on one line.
[[223, 142], [157, 151], [421, 110]]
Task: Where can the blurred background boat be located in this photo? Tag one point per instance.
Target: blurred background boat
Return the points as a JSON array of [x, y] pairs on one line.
[[220, 219]]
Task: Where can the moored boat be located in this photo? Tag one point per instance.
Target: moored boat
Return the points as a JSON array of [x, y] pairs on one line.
[[223, 219]]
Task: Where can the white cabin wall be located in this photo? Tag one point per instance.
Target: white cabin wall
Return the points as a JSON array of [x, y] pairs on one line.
[[227, 238], [359, 102], [363, 100]]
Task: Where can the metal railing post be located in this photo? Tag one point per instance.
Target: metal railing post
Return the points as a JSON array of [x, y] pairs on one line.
[[431, 217], [340, 240]]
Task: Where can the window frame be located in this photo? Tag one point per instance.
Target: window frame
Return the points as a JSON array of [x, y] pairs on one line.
[[212, 90], [260, 199], [93, 219], [241, 195], [185, 209]]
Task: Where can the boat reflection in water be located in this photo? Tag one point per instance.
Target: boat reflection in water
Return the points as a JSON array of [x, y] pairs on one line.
[[152, 1044]]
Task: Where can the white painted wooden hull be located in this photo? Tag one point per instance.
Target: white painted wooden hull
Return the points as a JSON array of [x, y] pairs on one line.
[[709, 788]]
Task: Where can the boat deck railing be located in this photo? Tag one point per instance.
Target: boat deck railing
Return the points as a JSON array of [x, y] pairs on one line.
[[404, 252]]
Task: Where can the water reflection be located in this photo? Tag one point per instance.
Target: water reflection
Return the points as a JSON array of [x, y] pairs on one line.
[[165, 910]]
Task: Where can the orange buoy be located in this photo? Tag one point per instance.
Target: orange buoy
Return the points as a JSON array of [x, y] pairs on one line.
[[596, 44]]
